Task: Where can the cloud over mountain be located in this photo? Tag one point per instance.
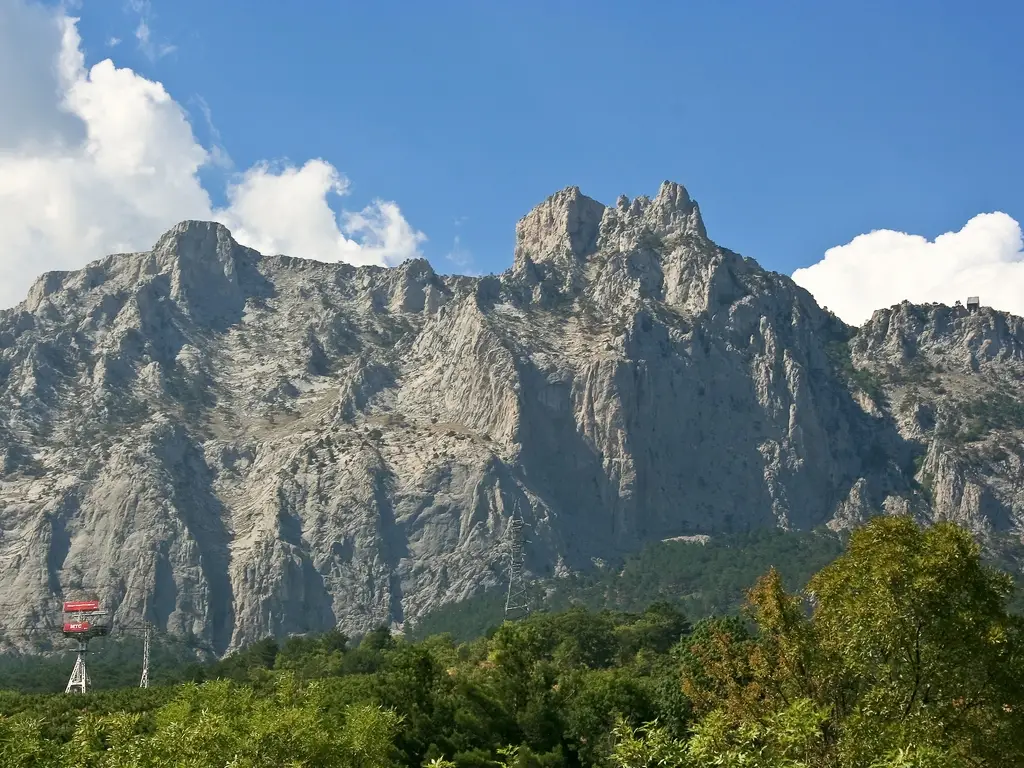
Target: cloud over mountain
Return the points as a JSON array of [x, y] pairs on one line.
[[985, 258], [99, 160]]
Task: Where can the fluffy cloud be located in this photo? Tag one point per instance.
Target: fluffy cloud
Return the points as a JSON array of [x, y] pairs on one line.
[[286, 211], [882, 268], [101, 160]]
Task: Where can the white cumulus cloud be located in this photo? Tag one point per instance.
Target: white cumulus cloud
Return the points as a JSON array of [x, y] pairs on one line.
[[879, 269], [102, 160], [286, 211]]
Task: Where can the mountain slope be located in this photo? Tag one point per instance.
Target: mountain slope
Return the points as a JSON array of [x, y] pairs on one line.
[[236, 445], [954, 381]]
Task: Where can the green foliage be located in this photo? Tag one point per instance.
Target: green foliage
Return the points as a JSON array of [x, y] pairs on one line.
[[916, 372], [864, 379], [789, 738], [1007, 554], [901, 652], [934, 653], [698, 579], [701, 579], [972, 420], [909, 654], [995, 411], [549, 687], [215, 724], [649, 746], [652, 241], [113, 663], [466, 619]]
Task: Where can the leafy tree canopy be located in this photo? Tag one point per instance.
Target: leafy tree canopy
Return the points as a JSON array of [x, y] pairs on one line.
[[899, 652]]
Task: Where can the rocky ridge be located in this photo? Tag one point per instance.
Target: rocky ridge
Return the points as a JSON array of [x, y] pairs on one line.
[[234, 445]]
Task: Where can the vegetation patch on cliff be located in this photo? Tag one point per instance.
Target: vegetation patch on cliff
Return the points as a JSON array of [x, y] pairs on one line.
[[863, 379]]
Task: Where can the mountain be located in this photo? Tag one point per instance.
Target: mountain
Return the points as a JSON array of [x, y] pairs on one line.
[[952, 381], [233, 445]]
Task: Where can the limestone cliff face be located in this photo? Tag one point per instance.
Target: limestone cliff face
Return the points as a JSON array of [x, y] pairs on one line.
[[239, 445], [954, 382]]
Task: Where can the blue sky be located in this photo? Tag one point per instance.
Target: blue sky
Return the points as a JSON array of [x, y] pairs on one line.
[[796, 125]]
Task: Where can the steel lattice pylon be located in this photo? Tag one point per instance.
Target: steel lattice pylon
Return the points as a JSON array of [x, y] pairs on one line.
[[79, 680], [517, 602], [83, 621], [144, 682]]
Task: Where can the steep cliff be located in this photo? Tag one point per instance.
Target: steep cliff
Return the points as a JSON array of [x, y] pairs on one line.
[[238, 445], [954, 381]]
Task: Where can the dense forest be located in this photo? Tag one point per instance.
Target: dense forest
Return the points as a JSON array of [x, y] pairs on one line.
[[700, 579], [899, 652]]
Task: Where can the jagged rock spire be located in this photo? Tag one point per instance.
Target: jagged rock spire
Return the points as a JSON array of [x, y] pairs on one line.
[[563, 226], [567, 225]]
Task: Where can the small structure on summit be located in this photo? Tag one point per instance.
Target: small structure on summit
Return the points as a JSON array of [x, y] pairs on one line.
[[973, 303]]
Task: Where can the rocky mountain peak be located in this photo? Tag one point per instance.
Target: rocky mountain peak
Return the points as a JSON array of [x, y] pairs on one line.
[[245, 445], [192, 238], [555, 243], [203, 262], [417, 267], [673, 208], [966, 339], [671, 212], [562, 229]]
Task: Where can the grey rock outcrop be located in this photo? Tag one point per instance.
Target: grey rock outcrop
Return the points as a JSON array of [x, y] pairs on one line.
[[954, 382], [237, 445]]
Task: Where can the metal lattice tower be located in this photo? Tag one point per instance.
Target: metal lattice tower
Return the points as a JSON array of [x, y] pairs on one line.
[[517, 603], [83, 620], [144, 682], [79, 680]]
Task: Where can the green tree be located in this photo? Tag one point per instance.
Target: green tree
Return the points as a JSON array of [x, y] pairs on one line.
[[650, 746], [920, 647]]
